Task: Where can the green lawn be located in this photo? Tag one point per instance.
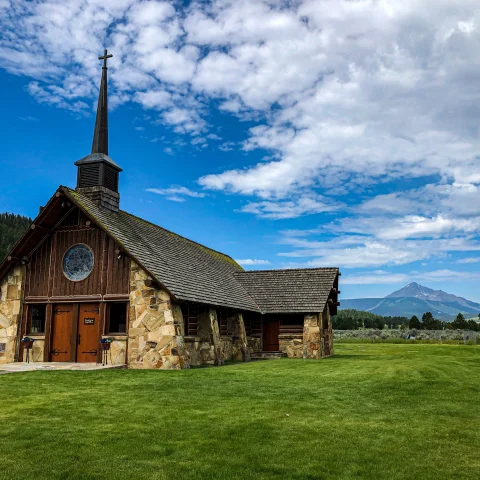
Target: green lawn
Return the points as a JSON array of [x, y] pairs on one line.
[[371, 411]]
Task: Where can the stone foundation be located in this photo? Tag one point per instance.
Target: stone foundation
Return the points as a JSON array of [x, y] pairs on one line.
[[37, 351], [117, 355], [226, 346], [236, 325], [11, 300], [291, 345], [254, 344], [155, 335], [209, 348], [198, 352]]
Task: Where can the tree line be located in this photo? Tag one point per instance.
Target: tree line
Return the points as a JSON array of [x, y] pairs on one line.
[[351, 319], [12, 227], [428, 322]]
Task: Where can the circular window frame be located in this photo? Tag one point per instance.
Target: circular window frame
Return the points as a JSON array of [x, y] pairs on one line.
[[63, 260]]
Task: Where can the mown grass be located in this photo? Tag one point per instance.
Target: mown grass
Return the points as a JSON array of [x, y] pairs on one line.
[[370, 412]]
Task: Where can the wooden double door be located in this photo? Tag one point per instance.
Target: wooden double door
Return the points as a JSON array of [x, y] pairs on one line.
[[75, 332]]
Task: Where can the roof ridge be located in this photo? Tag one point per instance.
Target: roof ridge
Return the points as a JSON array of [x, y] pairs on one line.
[[173, 233], [289, 269]]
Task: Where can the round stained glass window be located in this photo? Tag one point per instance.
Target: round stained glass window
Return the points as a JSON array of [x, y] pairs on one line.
[[78, 262]]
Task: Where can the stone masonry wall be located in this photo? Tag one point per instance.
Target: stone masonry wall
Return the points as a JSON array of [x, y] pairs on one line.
[[206, 348], [326, 334], [209, 348], [291, 344], [37, 351], [254, 344], [11, 300], [317, 335], [236, 325], [155, 335], [311, 336], [117, 355]]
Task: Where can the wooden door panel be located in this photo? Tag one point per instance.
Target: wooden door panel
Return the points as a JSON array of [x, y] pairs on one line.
[[271, 330], [87, 336], [62, 326]]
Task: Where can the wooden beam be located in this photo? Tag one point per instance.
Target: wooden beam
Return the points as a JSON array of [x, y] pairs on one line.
[[74, 338], [48, 332], [41, 228]]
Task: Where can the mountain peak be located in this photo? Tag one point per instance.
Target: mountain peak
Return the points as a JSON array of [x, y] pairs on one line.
[[415, 299], [415, 290]]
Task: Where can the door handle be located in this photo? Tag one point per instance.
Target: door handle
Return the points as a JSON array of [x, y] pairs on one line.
[[79, 339]]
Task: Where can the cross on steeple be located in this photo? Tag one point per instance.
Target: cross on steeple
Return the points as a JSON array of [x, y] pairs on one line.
[[104, 58], [100, 134]]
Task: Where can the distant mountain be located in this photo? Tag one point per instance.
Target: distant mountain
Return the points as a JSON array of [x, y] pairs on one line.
[[12, 227], [415, 299], [419, 291]]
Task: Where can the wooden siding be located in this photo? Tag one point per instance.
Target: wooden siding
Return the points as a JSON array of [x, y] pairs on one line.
[[45, 278], [253, 323]]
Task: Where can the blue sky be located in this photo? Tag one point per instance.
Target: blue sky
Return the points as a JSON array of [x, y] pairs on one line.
[[286, 134]]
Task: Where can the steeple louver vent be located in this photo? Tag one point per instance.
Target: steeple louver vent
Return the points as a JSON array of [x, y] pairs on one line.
[[110, 178], [89, 175]]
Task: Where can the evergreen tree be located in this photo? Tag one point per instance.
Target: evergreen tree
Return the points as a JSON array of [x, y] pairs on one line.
[[12, 227], [460, 322], [429, 322], [473, 325], [414, 323]]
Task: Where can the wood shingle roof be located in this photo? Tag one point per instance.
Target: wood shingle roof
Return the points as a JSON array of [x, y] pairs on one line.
[[301, 290]]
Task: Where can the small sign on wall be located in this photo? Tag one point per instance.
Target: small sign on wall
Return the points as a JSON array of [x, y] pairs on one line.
[[89, 321], [3, 347]]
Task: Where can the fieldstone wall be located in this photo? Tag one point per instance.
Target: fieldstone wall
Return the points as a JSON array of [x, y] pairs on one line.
[[326, 334], [209, 348], [117, 355], [11, 300], [236, 325], [37, 351], [254, 344], [291, 344], [317, 335], [311, 336], [155, 335], [226, 346]]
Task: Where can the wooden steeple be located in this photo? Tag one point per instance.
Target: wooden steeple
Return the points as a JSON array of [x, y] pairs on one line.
[[97, 175]]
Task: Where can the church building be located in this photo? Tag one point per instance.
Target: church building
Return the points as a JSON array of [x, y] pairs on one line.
[[86, 270]]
